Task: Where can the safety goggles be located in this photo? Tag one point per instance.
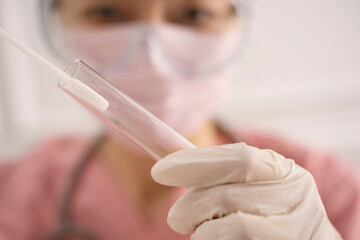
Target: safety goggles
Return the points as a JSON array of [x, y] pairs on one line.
[[186, 36]]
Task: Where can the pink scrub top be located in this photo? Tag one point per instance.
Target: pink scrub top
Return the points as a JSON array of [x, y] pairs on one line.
[[31, 190]]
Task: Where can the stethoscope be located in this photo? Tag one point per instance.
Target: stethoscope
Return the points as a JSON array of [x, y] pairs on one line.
[[66, 227]]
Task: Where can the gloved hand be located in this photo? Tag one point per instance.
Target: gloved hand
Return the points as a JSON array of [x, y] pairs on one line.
[[241, 192]]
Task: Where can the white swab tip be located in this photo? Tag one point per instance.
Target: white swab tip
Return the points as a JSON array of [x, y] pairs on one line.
[[85, 93]]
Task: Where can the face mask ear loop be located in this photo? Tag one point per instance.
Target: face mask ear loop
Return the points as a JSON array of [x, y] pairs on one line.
[[65, 226]]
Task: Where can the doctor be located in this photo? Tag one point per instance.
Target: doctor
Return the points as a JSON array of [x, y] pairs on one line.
[[176, 58]]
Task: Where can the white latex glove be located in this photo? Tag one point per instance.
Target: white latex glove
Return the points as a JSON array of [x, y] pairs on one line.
[[241, 192]]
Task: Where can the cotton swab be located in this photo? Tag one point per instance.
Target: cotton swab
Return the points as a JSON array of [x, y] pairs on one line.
[[76, 87]]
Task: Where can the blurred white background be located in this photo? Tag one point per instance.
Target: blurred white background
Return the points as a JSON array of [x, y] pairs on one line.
[[299, 78]]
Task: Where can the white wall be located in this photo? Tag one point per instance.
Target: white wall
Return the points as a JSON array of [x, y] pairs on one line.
[[300, 75], [300, 78], [33, 106]]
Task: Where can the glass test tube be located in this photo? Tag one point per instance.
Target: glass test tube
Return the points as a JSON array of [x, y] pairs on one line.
[[126, 116]]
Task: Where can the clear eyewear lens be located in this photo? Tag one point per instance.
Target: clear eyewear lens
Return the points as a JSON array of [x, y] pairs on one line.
[[193, 39]]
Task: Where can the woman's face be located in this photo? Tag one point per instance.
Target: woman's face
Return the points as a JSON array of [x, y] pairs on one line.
[[212, 16], [158, 66]]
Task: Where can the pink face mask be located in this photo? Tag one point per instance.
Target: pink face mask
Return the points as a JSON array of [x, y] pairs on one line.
[[156, 66]]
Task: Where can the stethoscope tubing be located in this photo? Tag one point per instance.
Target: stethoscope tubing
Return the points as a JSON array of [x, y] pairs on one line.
[[65, 226]]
